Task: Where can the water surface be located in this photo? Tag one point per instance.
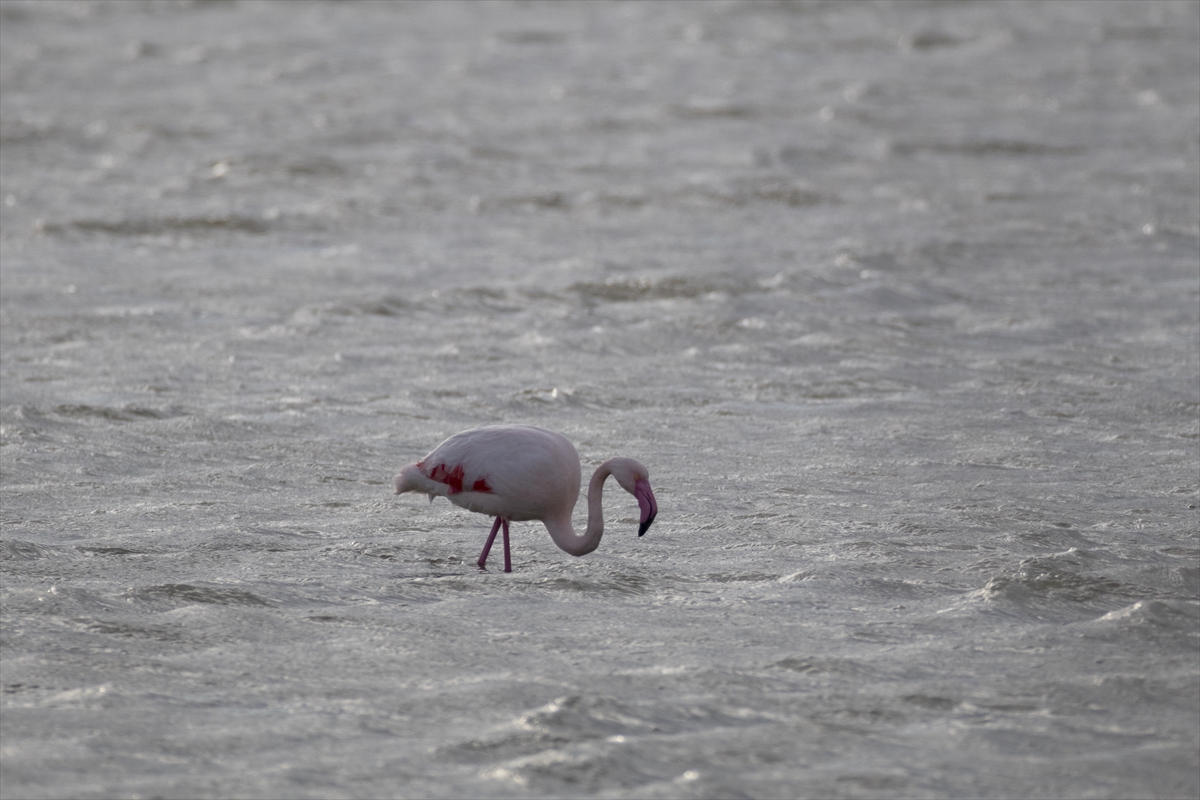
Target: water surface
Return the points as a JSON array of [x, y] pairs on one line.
[[900, 303]]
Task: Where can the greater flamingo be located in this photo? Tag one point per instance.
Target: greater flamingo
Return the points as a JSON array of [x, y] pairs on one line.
[[519, 472]]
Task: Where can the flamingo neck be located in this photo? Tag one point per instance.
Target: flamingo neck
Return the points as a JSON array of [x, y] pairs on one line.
[[564, 534]]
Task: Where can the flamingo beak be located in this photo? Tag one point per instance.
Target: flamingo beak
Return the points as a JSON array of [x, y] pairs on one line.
[[647, 503]]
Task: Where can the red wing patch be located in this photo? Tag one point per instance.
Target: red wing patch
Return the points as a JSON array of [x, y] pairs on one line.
[[454, 478]]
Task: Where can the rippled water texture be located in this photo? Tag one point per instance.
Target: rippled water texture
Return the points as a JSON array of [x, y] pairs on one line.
[[900, 303]]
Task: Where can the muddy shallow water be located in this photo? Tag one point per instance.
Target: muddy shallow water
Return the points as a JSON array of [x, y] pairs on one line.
[[900, 304]]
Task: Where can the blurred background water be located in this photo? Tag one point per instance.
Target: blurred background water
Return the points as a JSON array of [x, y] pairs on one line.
[[900, 303]]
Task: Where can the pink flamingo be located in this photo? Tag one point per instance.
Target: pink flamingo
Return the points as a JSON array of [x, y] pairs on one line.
[[518, 472]]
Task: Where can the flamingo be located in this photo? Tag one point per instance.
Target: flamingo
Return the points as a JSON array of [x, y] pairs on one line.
[[519, 472]]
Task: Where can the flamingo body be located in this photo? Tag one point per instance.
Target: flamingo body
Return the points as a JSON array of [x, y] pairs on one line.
[[518, 473]]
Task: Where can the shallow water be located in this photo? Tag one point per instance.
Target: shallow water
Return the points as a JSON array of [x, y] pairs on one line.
[[900, 303]]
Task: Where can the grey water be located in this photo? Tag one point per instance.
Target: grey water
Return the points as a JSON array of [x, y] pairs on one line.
[[899, 303]]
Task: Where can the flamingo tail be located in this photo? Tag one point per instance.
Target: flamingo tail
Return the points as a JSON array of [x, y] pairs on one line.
[[411, 479]]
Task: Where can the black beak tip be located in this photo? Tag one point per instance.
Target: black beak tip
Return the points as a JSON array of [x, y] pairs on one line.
[[645, 526]]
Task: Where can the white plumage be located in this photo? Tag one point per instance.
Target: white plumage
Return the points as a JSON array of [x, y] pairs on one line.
[[519, 472]]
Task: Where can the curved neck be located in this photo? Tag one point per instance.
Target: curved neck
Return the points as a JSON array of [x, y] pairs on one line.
[[564, 534]]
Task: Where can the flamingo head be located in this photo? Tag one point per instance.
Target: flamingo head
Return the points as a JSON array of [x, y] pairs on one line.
[[634, 478]]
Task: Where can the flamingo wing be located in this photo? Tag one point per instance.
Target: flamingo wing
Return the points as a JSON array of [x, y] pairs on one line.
[[517, 472]]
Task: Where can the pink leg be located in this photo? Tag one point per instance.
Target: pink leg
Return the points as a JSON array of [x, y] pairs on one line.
[[487, 548], [507, 556]]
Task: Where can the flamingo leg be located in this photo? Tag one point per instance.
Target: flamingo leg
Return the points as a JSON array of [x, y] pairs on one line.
[[487, 548], [507, 555]]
